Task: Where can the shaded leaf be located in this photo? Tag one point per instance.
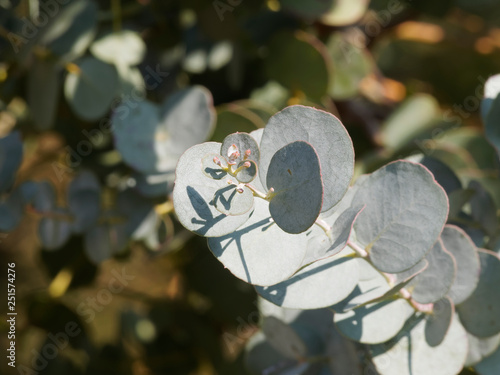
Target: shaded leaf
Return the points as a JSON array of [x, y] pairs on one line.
[[483, 208], [71, 32], [480, 313], [436, 280], [91, 88], [490, 365], [438, 321], [283, 338], [405, 212], [295, 175], [459, 244]]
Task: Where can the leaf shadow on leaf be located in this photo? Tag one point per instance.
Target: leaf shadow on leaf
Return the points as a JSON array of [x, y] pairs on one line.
[[359, 314], [215, 173], [411, 323], [203, 210], [219, 197], [264, 224], [278, 291]]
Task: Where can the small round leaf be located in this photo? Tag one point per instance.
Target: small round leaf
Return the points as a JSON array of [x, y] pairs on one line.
[[194, 192], [459, 244], [91, 88], [480, 313], [233, 200]]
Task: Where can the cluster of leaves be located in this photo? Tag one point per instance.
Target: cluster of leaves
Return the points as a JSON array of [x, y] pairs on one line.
[[384, 255]]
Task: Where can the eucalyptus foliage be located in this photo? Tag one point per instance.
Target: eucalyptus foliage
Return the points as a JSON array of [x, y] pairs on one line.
[[382, 255]]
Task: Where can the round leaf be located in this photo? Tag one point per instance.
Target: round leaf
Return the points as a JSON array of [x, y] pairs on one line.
[[151, 139], [295, 175], [91, 88], [459, 244], [328, 137], [230, 200], [414, 208], [480, 313], [242, 142], [71, 32], [260, 356], [259, 252], [211, 169], [137, 144], [490, 365], [123, 47], [438, 322], [443, 174], [188, 118], [283, 338], [247, 174], [193, 195], [410, 354], [481, 348], [436, 280]]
